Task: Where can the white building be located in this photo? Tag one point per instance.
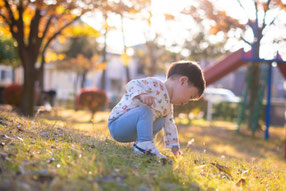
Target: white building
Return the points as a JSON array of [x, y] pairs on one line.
[[6, 75], [63, 81]]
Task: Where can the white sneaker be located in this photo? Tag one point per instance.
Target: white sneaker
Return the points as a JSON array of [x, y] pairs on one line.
[[147, 147]]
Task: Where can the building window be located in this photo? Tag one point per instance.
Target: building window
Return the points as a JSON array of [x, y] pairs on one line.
[[116, 85], [3, 75]]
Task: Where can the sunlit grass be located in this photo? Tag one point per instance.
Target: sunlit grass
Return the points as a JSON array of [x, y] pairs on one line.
[[65, 151]]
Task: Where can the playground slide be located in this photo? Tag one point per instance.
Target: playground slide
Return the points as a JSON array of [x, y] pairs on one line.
[[282, 68], [230, 63], [224, 66]]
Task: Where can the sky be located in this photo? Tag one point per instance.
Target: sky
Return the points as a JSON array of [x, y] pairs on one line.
[[137, 32]]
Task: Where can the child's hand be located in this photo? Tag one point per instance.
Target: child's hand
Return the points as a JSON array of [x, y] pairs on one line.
[[177, 152], [146, 99]]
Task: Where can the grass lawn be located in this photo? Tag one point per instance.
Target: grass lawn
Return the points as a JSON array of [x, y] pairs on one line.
[[65, 151]]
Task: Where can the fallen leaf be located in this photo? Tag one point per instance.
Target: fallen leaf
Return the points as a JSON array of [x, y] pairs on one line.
[[224, 169], [19, 138], [107, 179], [50, 160], [20, 128], [241, 182], [43, 176]]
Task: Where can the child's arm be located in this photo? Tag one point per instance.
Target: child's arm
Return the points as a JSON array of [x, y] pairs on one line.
[[146, 99], [171, 135], [135, 88]]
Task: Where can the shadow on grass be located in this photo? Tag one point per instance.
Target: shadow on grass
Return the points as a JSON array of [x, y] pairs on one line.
[[222, 141], [117, 167]]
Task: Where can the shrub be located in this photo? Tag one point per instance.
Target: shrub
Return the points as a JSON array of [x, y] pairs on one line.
[[92, 99], [12, 94], [195, 107], [226, 111]]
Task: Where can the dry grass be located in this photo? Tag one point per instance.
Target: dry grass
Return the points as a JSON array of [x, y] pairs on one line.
[[67, 152]]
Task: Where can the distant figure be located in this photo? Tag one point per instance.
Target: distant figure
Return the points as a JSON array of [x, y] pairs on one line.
[[147, 107], [285, 133], [52, 96]]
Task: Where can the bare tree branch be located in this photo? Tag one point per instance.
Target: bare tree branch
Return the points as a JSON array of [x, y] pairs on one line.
[[34, 27], [11, 15], [244, 40], [264, 24], [47, 26], [243, 8], [56, 34], [20, 23], [5, 18], [256, 11], [12, 21]]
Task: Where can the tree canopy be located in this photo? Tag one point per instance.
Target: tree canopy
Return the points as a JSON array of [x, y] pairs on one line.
[[35, 24]]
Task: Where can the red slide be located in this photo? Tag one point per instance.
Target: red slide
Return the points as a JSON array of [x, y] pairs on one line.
[[224, 66], [230, 63], [282, 68]]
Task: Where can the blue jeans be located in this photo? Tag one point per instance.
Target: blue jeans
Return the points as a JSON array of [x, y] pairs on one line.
[[135, 125]]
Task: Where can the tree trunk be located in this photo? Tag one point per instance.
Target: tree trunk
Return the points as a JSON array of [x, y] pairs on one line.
[[75, 91], [254, 80], [151, 54], [40, 76], [28, 99], [13, 74], [103, 80], [103, 76], [254, 85], [127, 73], [83, 79]]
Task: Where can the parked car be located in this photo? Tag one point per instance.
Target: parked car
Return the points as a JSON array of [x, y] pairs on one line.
[[217, 95]]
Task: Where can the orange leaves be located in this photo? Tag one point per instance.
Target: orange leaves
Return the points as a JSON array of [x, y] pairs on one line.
[[60, 10], [206, 10], [101, 66], [2, 3], [280, 4], [125, 59], [82, 62], [82, 29], [78, 64], [214, 30], [169, 17]]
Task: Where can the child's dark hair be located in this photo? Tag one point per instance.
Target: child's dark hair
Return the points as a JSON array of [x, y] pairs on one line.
[[190, 69]]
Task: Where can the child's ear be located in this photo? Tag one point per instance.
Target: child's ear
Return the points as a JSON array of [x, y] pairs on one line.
[[183, 80]]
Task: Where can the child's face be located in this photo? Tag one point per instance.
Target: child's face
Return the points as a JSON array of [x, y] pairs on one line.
[[183, 92]]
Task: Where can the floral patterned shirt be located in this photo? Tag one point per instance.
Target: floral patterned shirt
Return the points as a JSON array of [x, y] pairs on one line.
[[161, 108]]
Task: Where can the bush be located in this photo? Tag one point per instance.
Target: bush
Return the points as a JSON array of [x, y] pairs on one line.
[[194, 107], [226, 111], [12, 94], [92, 99]]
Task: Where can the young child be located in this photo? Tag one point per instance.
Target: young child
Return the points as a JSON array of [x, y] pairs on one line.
[[147, 107]]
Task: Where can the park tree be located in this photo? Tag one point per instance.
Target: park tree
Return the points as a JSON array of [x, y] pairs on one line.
[[34, 25], [125, 9], [8, 53], [200, 47], [80, 55], [259, 17], [80, 64], [152, 57], [76, 50]]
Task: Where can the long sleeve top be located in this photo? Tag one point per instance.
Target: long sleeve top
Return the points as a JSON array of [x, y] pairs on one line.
[[161, 108]]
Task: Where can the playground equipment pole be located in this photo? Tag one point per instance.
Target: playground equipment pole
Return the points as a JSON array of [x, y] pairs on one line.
[[285, 135], [268, 107]]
